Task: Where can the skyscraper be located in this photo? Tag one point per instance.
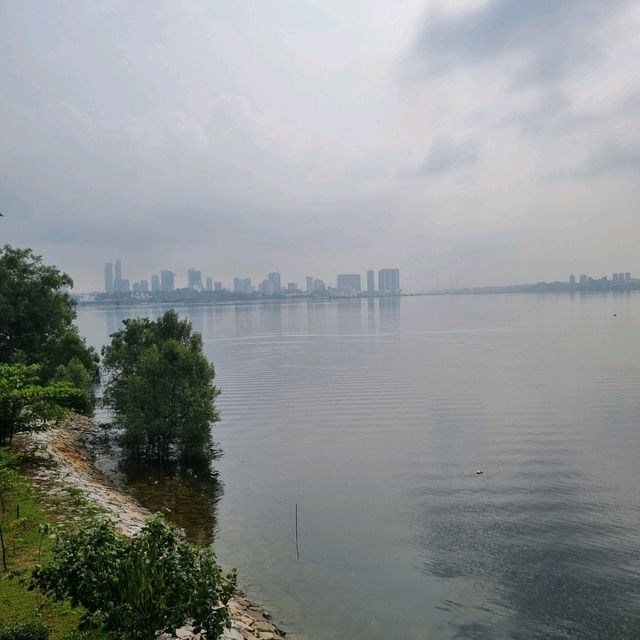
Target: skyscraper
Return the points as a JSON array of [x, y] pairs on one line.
[[274, 279], [118, 282], [108, 277], [348, 281], [166, 280], [242, 285], [155, 282], [309, 284], [194, 279], [209, 283], [266, 287], [371, 281], [389, 280]]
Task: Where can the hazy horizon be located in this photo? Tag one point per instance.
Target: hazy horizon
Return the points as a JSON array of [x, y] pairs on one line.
[[471, 142]]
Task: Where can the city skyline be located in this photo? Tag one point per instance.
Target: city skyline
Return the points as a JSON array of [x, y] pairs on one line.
[[387, 279], [114, 282]]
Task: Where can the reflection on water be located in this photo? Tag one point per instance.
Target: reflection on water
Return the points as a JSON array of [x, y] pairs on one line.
[[373, 415], [189, 495]]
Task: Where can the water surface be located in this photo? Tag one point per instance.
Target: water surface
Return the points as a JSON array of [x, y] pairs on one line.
[[374, 415]]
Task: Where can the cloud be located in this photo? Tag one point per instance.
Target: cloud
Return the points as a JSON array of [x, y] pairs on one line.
[[237, 139], [544, 41], [611, 157], [446, 156]]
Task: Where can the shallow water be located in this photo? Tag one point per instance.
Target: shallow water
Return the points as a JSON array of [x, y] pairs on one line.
[[374, 416]]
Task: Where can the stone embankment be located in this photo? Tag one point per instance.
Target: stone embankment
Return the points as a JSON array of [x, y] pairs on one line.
[[66, 468]]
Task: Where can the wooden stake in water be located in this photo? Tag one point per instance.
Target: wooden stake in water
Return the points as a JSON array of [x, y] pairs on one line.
[[297, 547]]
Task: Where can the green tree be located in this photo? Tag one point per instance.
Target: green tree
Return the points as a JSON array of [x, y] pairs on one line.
[[141, 585], [28, 405], [36, 317], [76, 374], [160, 387]]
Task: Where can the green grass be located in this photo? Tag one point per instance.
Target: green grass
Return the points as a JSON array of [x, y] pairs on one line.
[[25, 547]]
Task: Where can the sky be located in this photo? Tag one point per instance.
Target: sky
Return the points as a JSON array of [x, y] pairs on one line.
[[466, 142]]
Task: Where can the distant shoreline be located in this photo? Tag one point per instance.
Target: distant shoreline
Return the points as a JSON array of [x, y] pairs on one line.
[[516, 289]]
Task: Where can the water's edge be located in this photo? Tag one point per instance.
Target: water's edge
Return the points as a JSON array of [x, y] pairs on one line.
[[69, 448]]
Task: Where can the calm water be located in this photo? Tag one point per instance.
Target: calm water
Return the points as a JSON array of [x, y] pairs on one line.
[[374, 416]]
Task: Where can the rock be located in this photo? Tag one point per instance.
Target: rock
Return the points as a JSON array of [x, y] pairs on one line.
[[267, 635], [232, 634], [240, 625], [263, 625], [266, 615]]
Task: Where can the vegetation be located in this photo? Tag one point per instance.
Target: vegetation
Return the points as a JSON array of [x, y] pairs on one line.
[[28, 405], [36, 322], [8, 476], [26, 543], [24, 631], [147, 583], [160, 387], [161, 392]]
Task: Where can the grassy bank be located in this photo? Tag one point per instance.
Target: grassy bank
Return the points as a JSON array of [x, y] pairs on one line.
[[26, 544]]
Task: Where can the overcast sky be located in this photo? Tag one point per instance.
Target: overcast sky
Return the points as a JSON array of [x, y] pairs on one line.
[[469, 142]]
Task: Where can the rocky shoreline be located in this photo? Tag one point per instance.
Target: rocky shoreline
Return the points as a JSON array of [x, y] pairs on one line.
[[66, 468]]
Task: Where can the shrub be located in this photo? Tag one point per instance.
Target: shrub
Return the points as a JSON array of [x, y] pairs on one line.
[[138, 586], [8, 475], [24, 631], [28, 405]]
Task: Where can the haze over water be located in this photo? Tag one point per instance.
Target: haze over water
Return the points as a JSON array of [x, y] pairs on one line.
[[374, 417]]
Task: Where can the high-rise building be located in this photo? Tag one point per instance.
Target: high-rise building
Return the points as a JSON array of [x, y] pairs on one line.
[[348, 281], [583, 278], [371, 281], [319, 285], [627, 276], [292, 287], [144, 286], [309, 284], [136, 287], [217, 286], [155, 283], [117, 278], [194, 279], [122, 285], [209, 283], [108, 277], [389, 280], [274, 279], [266, 287], [167, 280], [572, 279], [242, 285]]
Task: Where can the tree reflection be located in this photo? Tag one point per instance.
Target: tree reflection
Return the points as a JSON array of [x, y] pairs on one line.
[[189, 494]]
